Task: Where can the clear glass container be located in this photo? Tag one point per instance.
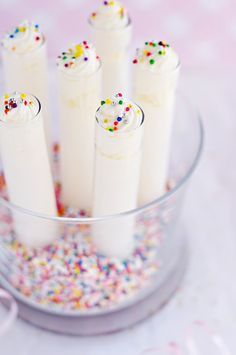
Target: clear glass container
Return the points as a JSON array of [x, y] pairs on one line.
[[67, 287]]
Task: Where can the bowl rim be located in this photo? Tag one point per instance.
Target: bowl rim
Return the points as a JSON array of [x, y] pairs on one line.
[[135, 211]]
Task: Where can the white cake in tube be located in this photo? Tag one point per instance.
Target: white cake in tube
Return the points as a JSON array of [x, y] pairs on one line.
[[156, 69], [25, 66], [26, 168], [117, 168], [79, 78], [111, 32]]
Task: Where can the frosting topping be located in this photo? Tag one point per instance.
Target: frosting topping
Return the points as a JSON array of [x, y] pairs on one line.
[[24, 38], [80, 59], [110, 15], [156, 56], [18, 108], [118, 114]]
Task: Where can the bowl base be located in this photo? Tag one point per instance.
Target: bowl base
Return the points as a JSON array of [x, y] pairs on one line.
[[113, 321]]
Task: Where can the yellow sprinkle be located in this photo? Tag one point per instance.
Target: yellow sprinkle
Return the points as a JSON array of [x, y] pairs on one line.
[[78, 51], [138, 112], [130, 105], [6, 96], [111, 3], [77, 293], [122, 11], [106, 120], [22, 29], [108, 101], [22, 96]]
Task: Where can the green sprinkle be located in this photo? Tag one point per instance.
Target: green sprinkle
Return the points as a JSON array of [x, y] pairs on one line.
[[103, 102], [64, 58], [120, 102], [111, 129], [152, 61], [146, 43], [154, 44], [160, 52]]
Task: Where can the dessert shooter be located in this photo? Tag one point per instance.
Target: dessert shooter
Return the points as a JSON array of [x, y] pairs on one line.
[[25, 65], [156, 69], [119, 132], [79, 95], [26, 168], [111, 31]]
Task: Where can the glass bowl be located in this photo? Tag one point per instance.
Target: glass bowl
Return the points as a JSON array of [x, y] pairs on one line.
[[67, 287]]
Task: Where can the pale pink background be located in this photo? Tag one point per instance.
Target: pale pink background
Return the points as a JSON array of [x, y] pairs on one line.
[[202, 31]]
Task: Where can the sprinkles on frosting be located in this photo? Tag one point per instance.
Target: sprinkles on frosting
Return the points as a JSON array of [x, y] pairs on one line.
[[78, 57], [152, 52], [12, 102], [18, 108], [23, 38], [111, 14], [115, 113]]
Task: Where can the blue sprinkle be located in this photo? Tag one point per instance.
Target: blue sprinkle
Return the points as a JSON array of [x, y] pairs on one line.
[[36, 26], [11, 36], [119, 119], [16, 30]]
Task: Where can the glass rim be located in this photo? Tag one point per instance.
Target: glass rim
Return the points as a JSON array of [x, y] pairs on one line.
[[135, 211], [34, 50], [79, 77], [128, 25], [175, 69]]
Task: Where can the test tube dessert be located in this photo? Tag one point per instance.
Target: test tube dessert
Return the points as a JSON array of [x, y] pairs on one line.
[[119, 131], [79, 79], [111, 31], [156, 69], [26, 168], [25, 65]]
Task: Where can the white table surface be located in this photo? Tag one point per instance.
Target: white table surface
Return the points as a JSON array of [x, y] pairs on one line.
[[209, 290]]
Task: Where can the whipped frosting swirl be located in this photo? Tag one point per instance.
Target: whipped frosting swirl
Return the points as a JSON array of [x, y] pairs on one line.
[[18, 108], [110, 15], [80, 59], [157, 57], [118, 114], [24, 38]]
